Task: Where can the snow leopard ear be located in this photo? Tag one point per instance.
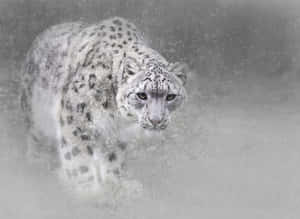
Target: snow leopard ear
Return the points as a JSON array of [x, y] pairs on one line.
[[180, 69], [130, 68]]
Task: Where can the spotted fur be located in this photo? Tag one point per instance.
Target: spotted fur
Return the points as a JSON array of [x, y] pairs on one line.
[[81, 81]]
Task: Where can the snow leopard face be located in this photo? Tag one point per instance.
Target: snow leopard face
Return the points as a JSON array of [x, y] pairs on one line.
[[151, 92]]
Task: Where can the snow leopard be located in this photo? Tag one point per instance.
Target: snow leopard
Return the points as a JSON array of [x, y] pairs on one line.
[[84, 84]]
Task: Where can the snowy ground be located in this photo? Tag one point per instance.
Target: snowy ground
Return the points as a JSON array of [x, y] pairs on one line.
[[233, 153]]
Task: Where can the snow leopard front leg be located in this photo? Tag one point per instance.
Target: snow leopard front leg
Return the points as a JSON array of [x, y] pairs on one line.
[[90, 156]]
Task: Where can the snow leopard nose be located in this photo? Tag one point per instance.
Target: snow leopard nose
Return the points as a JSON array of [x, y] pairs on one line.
[[155, 121], [156, 112]]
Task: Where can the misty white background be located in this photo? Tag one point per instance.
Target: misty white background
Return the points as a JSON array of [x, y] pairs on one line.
[[233, 150]]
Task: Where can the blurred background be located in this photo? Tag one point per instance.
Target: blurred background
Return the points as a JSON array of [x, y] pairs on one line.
[[233, 149], [216, 36]]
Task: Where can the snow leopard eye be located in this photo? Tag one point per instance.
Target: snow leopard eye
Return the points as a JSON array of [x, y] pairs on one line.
[[142, 95], [170, 97], [130, 72]]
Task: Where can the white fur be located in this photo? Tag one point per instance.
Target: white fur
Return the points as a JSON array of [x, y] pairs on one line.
[[45, 106]]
